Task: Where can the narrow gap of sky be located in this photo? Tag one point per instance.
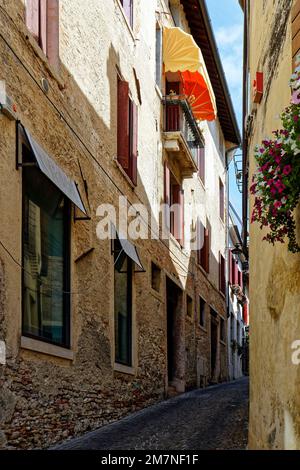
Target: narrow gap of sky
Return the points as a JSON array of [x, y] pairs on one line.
[[227, 22]]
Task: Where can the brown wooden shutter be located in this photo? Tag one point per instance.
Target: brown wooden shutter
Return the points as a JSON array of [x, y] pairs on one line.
[[33, 18], [53, 32], [123, 124], [295, 29], [134, 140], [201, 164]]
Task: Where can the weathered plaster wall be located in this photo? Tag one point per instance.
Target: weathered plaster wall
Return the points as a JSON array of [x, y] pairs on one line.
[[44, 399], [274, 273]]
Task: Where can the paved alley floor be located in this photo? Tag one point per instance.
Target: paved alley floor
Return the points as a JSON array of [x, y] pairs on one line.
[[214, 418]]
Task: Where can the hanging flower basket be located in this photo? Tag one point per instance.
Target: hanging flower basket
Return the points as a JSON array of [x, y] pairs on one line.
[[276, 182]]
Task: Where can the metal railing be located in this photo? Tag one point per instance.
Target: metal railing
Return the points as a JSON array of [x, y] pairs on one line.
[[179, 118]]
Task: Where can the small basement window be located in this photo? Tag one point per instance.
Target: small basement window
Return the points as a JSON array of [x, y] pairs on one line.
[[155, 277]]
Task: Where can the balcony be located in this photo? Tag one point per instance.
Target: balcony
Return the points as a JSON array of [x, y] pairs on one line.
[[182, 136]]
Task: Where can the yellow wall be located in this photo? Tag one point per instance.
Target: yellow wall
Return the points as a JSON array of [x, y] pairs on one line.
[[274, 272]]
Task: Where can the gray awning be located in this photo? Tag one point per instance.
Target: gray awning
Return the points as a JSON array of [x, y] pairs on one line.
[[58, 177], [131, 251]]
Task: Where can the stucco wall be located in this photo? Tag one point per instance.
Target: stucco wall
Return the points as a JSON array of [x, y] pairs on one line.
[[274, 273], [45, 399]]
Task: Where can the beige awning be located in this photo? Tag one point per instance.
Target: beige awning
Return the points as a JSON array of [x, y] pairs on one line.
[[180, 51]]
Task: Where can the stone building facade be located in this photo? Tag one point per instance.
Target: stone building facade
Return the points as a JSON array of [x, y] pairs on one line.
[[89, 334], [272, 32]]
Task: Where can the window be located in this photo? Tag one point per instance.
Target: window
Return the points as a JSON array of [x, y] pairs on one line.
[[204, 251], [221, 200], [222, 330], [123, 306], [174, 199], [201, 164], [42, 19], [202, 312], [222, 280], [128, 10], [46, 258], [158, 56], [189, 306], [155, 277], [127, 132]]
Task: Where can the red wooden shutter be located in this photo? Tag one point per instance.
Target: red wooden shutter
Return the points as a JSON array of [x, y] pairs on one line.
[[236, 280], [167, 195], [295, 29], [240, 279], [246, 313], [230, 273], [123, 124], [201, 164], [53, 32], [43, 25], [134, 140], [33, 18]]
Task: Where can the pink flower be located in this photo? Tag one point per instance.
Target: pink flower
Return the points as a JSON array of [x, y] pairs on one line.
[[296, 118], [277, 204], [253, 188], [295, 97], [270, 182], [273, 191], [277, 159], [287, 170]]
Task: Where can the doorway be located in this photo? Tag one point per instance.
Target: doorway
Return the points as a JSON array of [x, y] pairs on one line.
[[175, 336]]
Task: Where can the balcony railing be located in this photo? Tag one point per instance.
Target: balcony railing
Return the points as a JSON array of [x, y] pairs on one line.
[[179, 118]]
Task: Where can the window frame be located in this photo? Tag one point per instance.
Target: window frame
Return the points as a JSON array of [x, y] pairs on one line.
[[66, 344], [129, 303]]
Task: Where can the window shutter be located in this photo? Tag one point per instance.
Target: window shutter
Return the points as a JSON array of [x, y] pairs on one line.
[[236, 280], [177, 213], [52, 32], [134, 139], [295, 29], [33, 18], [201, 164], [123, 124], [43, 26], [230, 260], [245, 313]]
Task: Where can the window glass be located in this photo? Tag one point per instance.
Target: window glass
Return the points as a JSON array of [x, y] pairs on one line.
[[46, 222]]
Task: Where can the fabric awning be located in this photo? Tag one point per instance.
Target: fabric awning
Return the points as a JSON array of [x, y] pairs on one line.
[[180, 51], [55, 174], [131, 251], [199, 95]]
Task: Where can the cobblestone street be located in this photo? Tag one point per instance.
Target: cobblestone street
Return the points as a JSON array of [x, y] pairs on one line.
[[214, 418]]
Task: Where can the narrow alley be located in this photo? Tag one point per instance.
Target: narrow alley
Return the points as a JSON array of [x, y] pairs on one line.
[[211, 419]]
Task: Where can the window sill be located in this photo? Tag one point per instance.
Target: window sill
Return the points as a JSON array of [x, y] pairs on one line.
[[156, 294], [124, 174], [203, 329], [46, 348], [126, 20], [124, 369], [202, 270], [38, 51]]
